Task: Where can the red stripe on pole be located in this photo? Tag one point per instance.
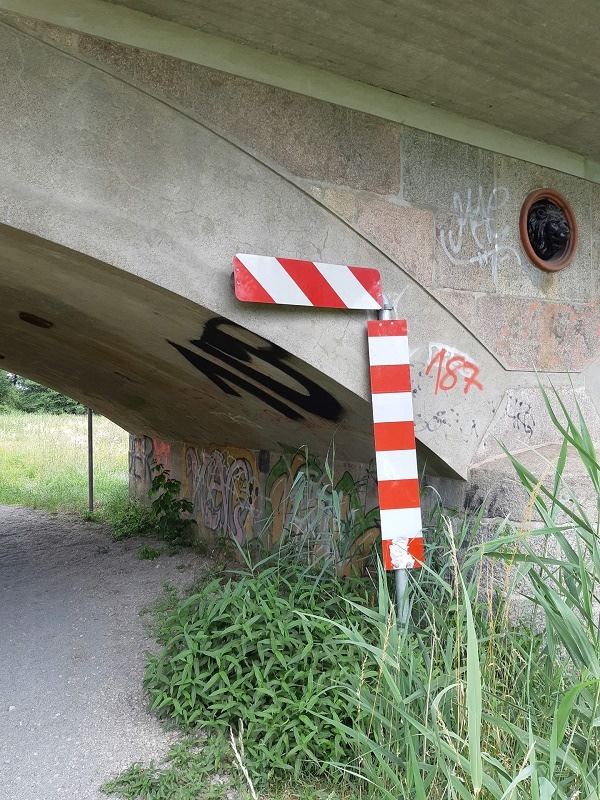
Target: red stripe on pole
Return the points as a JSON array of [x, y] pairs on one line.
[[387, 327], [247, 287], [414, 548], [394, 435], [387, 560], [390, 378], [399, 494], [312, 283], [370, 280]]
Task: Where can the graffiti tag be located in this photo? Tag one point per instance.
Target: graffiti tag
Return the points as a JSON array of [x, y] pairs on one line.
[[223, 491], [229, 362], [474, 224], [453, 369], [436, 421], [520, 413]]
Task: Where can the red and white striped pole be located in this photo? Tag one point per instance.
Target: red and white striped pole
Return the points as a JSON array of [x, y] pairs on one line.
[[395, 451], [264, 279]]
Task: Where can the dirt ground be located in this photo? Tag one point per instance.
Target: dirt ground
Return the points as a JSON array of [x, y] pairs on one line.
[[72, 708]]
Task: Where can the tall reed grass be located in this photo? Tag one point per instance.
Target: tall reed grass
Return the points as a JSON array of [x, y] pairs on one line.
[[465, 701], [43, 461]]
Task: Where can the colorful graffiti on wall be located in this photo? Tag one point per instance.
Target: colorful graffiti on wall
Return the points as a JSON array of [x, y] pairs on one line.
[[237, 494], [224, 490], [144, 454], [244, 495]]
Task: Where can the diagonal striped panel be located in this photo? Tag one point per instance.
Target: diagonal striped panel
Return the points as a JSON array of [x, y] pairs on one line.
[[290, 281], [312, 282], [247, 285], [364, 293], [273, 278]]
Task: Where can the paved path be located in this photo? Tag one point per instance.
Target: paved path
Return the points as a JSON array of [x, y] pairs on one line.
[[72, 710]]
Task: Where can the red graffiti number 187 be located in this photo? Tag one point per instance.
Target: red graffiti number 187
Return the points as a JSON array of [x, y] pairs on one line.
[[451, 370]]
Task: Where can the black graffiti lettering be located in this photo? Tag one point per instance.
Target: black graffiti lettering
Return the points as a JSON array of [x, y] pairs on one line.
[[233, 352], [223, 378]]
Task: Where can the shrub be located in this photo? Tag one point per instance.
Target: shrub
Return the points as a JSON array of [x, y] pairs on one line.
[[250, 649], [170, 513]]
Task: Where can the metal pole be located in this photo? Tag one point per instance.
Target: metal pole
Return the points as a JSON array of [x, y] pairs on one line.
[[90, 460], [402, 599]]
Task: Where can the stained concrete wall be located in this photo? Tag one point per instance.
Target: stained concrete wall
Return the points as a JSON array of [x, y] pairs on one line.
[[182, 165]]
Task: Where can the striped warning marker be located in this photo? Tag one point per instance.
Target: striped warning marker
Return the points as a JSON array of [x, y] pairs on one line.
[[289, 281], [395, 452]]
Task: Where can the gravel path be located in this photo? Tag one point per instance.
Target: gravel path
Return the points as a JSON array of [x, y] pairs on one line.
[[72, 710]]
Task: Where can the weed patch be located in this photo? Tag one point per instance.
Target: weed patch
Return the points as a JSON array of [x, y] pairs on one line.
[[170, 514], [147, 553], [196, 767], [249, 648]]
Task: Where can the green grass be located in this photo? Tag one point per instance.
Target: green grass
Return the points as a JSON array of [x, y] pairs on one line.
[[464, 701], [43, 463]]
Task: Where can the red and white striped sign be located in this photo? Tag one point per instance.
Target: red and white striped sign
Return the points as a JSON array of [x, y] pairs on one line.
[[264, 279], [395, 452]]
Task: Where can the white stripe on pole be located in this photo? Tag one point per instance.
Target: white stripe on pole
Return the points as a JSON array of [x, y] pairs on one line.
[[274, 279], [405, 522], [393, 407], [386, 350], [396, 465], [348, 288]]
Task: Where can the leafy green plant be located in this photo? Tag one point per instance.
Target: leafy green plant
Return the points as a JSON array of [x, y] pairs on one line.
[[147, 553], [196, 767], [170, 513], [129, 520], [238, 650]]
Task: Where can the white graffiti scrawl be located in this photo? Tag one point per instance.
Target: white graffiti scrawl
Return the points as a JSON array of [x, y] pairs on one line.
[[474, 225], [223, 491]]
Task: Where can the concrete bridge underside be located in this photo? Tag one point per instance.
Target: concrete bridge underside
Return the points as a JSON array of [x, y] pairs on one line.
[[119, 217]]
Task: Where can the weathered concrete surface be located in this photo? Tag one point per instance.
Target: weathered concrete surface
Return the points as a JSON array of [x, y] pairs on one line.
[[96, 166], [162, 170], [474, 197], [507, 65]]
